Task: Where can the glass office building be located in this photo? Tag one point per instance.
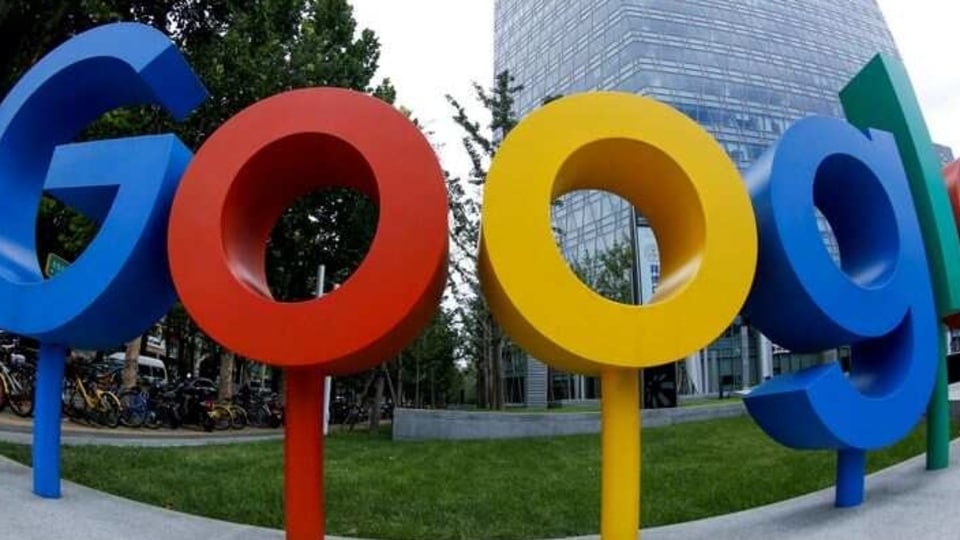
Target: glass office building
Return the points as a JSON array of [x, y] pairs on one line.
[[743, 69]]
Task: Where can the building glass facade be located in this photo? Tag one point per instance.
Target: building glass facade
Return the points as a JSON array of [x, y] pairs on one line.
[[945, 153], [743, 69]]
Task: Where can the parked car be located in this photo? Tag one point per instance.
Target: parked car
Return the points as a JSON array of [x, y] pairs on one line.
[[149, 369]]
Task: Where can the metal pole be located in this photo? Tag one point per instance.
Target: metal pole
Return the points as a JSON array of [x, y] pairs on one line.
[[46, 423], [635, 282], [635, 241], [765, 354], [744, 356], [620, 454], [704, 371], [303, 454], [938, 412], [327, 381]]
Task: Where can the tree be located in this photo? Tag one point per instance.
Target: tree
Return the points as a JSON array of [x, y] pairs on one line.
[[609, 272], [181, 335], [225, 388], [243, 52], [29, 29], [485, 340], [131, 364], [428, 364]]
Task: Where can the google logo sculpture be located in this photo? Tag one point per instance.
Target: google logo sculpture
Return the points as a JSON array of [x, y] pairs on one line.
[[196, 226]]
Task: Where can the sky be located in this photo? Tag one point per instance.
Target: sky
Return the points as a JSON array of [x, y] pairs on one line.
[[924, 31], [430, 48]]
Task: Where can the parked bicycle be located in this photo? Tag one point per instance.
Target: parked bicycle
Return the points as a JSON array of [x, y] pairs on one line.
[[199, 407], [93, 392], [16, 380], [86, 399], [263, 408], [163, 407], [133, 407]]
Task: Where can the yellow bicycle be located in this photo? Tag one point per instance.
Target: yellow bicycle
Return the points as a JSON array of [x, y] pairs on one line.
[[86, 400], [238, 415]]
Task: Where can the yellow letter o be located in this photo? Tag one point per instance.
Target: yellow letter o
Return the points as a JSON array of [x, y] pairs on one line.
[[679, 178]]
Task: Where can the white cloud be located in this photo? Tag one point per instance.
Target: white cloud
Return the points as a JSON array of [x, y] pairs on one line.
[[925, 31], [430, 48]]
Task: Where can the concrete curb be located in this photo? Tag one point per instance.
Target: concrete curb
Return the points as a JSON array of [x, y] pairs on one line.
[[419, 424], [16, 435]]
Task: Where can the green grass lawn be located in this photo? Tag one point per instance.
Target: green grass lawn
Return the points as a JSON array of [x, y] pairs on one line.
[[536, 488]]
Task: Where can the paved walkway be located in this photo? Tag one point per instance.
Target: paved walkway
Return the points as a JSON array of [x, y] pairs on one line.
[[85, 513], [18, 430], [904, 501]]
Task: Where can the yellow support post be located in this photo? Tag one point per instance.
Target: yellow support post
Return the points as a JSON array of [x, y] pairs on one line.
[[620, 451]]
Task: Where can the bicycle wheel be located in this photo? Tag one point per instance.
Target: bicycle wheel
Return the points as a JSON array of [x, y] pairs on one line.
[[66, 394], [109, 410], [222, 417], [275, 420], [172, 416], [151, 420], [21, 400], [133, 408], [239, 417], [74, 405], [260, 416], [3, 392], [162, 416], [208, 421]]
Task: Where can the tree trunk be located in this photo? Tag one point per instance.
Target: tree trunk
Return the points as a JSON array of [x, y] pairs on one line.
[[493, 348], [497, 368], [479, 384], [130, 365], [488, 367], [377, 403], [277, 374], [497, 377], [194, 357], [399, 401], [393, 391], [240, 368], [416, 385], [225, 392]]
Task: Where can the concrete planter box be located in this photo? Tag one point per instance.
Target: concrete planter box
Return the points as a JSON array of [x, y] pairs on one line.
[[415, 424]]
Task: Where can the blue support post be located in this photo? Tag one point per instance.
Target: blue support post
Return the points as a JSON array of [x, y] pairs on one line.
[[851, 467], [46, 422]]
